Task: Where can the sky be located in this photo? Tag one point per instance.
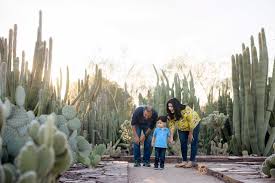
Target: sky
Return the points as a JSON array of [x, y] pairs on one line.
[[138, 32]]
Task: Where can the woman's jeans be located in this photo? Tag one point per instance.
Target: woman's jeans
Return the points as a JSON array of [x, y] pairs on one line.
[[183, 136], [147, 146]]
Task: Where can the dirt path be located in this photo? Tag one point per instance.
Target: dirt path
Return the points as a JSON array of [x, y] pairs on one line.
[[169, 175]]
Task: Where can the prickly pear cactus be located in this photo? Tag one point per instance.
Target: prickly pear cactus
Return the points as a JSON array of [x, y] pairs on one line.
[[69, 112], [69, 124], [20, 96], [74, 124], [113, 151], [31, 115], [218, 148], [7, 106], [8, 172], [15, 132], [46, 156], [94, 159]]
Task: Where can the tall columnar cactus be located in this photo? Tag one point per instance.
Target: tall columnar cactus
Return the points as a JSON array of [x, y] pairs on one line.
[[40, 93], [253, 99], [3, 79], [104, 111], [183, 90]]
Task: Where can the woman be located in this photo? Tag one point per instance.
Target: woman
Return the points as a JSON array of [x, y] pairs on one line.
[[187, 123]]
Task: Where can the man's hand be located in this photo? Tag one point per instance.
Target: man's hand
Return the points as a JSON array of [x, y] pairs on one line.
[[142, 138], [152, 144], [137, 140]]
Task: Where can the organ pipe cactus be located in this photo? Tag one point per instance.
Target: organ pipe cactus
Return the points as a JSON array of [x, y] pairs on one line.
[[253, 99], [40, 93], [181, 89]]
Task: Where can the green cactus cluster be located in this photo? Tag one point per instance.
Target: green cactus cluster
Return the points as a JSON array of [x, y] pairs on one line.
[[113, 150], [126, 132], [92, 158], [15, 131], [219, 148], [268, 166], [224, 103], [213, 128], [42, 158], [181, 89], [96, 154], [41, 95], [105, 114], [70, 125], [253, 105], [46, 156]]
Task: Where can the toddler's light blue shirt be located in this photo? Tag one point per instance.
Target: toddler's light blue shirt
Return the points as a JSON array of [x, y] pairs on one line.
[[161, 135]]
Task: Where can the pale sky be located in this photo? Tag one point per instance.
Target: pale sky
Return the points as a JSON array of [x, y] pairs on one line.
[[139, 32]]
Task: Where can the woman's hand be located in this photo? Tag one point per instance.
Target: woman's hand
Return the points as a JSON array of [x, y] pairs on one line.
[[190, 137], [171, 140]]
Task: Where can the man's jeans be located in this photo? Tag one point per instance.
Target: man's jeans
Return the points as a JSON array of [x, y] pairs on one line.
[[159, 156], [147, 146], [183, 136]]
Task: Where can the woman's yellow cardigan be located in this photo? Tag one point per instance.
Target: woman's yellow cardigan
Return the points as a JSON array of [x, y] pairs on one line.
[[189, 120]]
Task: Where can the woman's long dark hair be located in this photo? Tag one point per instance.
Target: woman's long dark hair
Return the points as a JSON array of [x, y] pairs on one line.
[[178, 107]]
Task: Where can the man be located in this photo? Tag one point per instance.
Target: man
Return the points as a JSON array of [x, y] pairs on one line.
[[143, 120]]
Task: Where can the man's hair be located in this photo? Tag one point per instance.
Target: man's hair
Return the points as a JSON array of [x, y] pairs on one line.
[[148, 108]]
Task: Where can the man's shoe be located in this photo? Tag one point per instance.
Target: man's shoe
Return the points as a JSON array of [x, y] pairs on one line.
[[136, 164], [146, 164]]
